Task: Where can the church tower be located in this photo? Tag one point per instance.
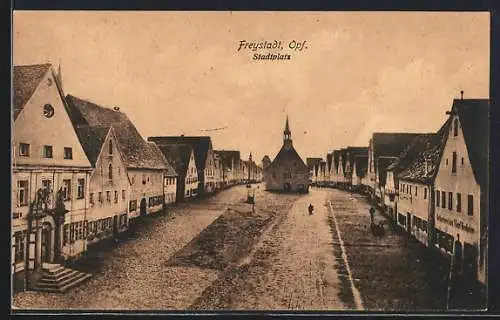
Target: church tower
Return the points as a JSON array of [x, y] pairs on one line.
[[287, 136]]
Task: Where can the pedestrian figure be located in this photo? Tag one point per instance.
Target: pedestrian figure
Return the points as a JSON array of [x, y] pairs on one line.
[[458, 256], [311, 209], [372, 215]]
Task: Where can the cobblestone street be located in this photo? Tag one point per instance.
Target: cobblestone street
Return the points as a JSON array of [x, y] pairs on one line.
[[216, 253], [391, 272]]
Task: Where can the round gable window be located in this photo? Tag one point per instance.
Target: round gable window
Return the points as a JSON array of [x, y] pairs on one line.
[[48, 110]]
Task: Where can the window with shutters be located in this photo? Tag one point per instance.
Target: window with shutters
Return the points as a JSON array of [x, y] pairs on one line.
[[459, 202], [438, 196], [450, 201], [443, 199]]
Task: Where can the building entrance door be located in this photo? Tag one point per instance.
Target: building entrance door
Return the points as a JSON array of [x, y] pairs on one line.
[[287, 187], [408, 223], [46, 242], [470, 260], [115, 226], [144, 211]]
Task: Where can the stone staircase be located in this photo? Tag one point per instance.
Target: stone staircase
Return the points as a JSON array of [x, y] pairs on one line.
[[56, 278]]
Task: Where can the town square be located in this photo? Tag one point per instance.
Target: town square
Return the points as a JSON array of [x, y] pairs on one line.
[[350, 176]]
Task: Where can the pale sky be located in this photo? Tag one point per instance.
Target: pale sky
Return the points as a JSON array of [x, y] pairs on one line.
[[180, 72]]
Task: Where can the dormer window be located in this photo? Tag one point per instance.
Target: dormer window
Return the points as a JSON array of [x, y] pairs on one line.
[[455, 127]]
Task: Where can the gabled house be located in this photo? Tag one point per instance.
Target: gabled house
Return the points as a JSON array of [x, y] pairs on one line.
[[322, 173], [341, 170], [328, 170], [461, 185], [266, 161], [415, 172], [334, 169], [145, 164], [181, 157], [109, 186], [384, 148], [50, 173], [231, 166], [313, 166], [351, 154], [169, 179], [360, 167], [203, 155], [287, 172]]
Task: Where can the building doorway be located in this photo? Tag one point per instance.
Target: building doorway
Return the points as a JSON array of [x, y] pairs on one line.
[[115, 226], [470, 260], [144, 210], [408, 223], [46, 242], [287, 187]]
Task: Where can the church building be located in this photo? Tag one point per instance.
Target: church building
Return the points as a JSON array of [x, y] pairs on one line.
[[287, 172]]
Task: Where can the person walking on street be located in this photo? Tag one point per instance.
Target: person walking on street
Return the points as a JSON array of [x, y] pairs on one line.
[[372, 215], [311, 209]]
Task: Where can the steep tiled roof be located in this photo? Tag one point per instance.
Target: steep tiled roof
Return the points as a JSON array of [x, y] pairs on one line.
[[25, 80], [420, 162], [227, 156], [361, 162], [288, 155], [383, 163], [200, 146], [354, 152], [410, 152], [343, 154], [336, 154], [312, 162], [92, 138], [387, 144], [178, 156], [322, 165], [474, 119], [169, 169], [329, 157], [136, 152]]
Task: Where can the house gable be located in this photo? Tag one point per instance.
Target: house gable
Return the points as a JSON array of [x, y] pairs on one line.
[[44, 121]]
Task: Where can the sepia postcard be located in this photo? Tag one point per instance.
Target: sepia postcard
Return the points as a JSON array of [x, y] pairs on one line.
[[270, 161]]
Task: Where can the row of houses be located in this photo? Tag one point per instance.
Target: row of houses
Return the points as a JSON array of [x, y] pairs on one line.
[[434, 185], [82, 172]]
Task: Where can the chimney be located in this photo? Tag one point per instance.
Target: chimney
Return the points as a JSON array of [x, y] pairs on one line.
[[461, 94], [116, 108]]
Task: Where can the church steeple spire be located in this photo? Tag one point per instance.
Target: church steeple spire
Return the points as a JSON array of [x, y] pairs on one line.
[[287, 134]]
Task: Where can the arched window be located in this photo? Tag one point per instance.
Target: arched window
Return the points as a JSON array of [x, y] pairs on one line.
[[110, 147], [110, 171], [455, 127]]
